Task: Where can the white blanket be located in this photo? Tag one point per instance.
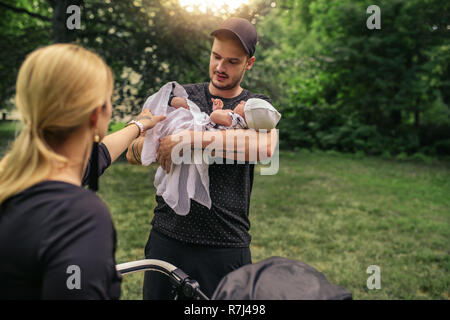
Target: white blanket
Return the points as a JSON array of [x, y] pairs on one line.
[[185, 181]]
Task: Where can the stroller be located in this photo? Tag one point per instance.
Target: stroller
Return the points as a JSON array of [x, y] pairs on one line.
[[274, 278]]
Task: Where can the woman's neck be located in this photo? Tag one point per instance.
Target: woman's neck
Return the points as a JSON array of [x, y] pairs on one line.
[[77, 149]]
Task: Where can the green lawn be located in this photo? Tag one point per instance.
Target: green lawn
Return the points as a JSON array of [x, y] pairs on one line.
[[7, 132], [337, 212]]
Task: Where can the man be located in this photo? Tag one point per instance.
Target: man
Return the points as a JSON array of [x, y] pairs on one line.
[[207, 243]]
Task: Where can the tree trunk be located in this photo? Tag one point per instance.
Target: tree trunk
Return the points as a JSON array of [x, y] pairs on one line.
[[416, 118], [396, 118]]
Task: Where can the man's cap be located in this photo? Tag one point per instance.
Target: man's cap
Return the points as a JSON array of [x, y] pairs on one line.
[[260, 114], [244, 30]]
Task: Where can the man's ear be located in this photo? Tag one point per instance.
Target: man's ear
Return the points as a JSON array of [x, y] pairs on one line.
[[250, 63]]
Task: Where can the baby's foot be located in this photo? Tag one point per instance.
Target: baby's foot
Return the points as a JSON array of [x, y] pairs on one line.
[[217, 104]]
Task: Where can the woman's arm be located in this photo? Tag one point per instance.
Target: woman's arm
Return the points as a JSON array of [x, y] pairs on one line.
[[119, 141]]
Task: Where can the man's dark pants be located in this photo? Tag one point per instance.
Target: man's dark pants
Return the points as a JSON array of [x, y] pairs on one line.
[[207, 265]]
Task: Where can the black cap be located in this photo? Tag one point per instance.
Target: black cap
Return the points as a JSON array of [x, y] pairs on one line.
[[244, 30]]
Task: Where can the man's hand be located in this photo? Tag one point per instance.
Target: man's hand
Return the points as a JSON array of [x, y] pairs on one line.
[[166, 145]]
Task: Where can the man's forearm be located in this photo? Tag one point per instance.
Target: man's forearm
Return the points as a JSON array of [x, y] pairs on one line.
[[236, 144]]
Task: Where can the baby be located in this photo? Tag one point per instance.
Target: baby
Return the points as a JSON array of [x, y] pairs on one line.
[[227, 118], [254, 114], [190, 181]]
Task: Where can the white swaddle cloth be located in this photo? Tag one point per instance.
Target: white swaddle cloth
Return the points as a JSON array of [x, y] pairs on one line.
[[185, 181]]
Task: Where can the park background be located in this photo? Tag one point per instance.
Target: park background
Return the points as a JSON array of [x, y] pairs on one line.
[[364, 137]]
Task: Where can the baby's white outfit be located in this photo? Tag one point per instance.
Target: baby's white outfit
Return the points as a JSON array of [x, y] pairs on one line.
[[185, 181]]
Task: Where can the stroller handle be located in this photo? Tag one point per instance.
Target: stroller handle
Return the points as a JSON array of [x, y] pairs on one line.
[[179, 279], [145, 265]]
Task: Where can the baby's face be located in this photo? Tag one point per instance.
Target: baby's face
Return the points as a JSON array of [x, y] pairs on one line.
[[239, 109]]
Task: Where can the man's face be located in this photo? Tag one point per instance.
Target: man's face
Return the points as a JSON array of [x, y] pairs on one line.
[[228, 62]]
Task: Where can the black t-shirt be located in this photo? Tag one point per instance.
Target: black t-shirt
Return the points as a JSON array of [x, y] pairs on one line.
[[226, 224], [57, 241]]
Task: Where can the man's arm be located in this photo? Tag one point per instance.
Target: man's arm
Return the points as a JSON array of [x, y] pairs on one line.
[[236, 144]]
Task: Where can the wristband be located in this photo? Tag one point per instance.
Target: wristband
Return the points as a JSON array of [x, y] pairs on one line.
[[139, 124]]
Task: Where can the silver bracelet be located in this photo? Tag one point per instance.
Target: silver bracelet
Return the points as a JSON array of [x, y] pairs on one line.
[[139, 124]]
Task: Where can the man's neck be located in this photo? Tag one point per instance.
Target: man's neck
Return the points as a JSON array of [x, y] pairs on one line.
[[227, 94]]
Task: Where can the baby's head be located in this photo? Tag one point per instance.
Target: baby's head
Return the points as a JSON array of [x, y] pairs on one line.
[[258, 114]]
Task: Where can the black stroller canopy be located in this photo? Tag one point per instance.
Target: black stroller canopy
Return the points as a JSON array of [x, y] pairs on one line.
[[278, 278]]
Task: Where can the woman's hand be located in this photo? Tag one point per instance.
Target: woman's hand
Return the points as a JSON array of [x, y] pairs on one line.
[[148, 120]]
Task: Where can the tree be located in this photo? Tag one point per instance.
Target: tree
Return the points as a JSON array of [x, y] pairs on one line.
[[146, 42], [348, 87]]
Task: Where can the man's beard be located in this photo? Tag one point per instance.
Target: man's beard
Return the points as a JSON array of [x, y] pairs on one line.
[[233, 84]]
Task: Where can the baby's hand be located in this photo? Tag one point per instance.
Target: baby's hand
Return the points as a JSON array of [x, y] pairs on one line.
[[239, 109], [217, 104]]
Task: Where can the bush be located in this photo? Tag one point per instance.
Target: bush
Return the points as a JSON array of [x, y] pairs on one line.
[[421, 158], [442, 147], [402, 156], [386, 155]]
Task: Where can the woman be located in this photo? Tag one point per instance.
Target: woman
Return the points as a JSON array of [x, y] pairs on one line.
[[57, 239]]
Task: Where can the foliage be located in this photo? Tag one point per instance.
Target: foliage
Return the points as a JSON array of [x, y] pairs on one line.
[[345, 87], [337, 84], [146, 42]]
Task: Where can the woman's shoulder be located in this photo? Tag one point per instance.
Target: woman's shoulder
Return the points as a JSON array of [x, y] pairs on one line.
[[79, 203], [54, 215], [56, 200]]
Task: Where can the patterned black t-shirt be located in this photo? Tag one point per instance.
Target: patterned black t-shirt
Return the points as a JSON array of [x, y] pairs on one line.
[[226, 224]]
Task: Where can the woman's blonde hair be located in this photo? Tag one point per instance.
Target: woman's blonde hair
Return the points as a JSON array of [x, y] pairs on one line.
[[57, 88]]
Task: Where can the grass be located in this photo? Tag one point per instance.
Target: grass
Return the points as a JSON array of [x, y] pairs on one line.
[[7, 133], [339, 213]]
